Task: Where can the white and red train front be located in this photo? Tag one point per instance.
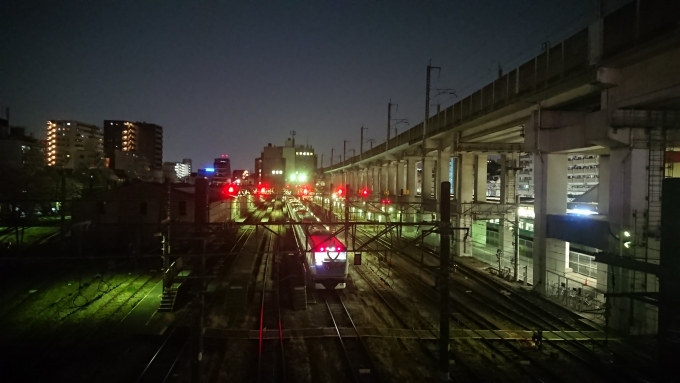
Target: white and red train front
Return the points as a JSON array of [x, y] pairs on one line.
[[325, 255], [329, 267]]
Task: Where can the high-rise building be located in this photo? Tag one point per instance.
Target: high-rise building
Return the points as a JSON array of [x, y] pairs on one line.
[[73, 144], [222, 168], [287, 165], [141, 138]]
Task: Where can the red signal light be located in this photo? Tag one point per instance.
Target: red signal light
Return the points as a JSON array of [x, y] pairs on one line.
[[230, 190]]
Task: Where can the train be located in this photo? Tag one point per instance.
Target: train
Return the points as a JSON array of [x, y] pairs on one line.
[[325, 255]]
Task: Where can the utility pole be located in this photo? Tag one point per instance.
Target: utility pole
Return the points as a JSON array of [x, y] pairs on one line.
[[344, 150], [425, 177], [361, 145], [293, 133], [516, 269], [346, 214], [444, 256], [332, 152], [427, 98], [389, 119]]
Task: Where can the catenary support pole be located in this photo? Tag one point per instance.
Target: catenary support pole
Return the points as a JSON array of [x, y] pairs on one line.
[[346, 214], [515, 277], [444, 256]]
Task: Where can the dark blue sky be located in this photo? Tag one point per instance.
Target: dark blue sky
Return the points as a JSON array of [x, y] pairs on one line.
[[228, 77]]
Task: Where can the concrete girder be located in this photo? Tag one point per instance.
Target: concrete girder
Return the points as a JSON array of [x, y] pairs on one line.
[[645, 119], [489, 147], [588, 83], [505, 137], [514, 126], [559, 131], [647, 81]]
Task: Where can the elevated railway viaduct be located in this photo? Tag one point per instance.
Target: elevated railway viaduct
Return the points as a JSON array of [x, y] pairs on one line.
[[611, 89]]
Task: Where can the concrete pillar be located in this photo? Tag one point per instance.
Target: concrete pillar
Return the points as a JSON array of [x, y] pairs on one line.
[[603, 185], [480, 177], [426, 178], [386, 178], [373, 179], [398, 177], [509, 179], [411, 185], [465, 177], [350, 180], [334, 181], [443, 161], [464, 183], [506, 237], [392, 179], [357, 179], [550, 185], [603, 209], [628, 182]]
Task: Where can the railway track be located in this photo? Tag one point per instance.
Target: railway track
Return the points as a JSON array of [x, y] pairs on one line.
[[529, 315], [459, 371], [219, 354], [271, 366], [465, 318], [164, 361], [354, 350], [523, 362]]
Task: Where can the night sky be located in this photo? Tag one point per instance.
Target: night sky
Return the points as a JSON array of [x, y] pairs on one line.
[[229, 77]]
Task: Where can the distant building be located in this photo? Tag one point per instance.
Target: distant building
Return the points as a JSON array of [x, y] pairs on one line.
[[222, 174], [141, 138], [177, 171], [73, 144], [133, 166], [207, 173], [240, 176], [19, 151], [583, 174], [286, 166]]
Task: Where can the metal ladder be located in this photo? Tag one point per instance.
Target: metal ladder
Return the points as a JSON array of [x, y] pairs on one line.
[[655, 176]]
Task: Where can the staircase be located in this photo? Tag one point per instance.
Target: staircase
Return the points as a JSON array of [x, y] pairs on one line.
[[169, 298]]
